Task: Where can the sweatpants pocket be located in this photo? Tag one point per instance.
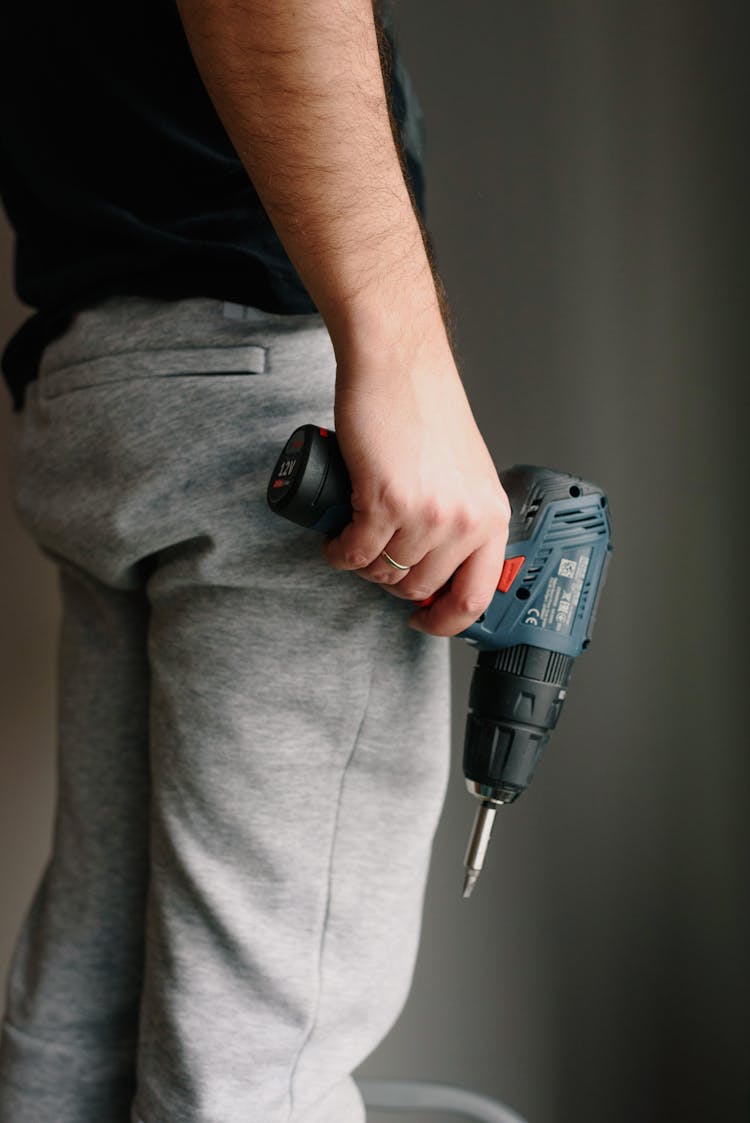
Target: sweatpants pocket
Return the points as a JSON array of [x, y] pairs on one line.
[[128, 366]]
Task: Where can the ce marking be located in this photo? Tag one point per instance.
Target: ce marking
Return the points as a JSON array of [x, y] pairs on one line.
[[533, 617]]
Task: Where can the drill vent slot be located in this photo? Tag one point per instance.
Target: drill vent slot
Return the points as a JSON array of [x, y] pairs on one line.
[[535, 502], [533, 571], [584, 599], [568, 524]]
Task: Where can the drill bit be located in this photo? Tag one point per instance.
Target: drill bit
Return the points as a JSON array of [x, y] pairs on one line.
[[470, 880], [479, 840]]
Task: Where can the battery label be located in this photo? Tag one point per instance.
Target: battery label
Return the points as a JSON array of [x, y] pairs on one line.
[[562, 594]]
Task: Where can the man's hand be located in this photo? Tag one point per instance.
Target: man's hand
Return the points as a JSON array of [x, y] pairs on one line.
[[424, 488], [299, 89]]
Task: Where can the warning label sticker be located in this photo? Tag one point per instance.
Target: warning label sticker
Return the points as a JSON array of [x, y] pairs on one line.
[[563, 592]]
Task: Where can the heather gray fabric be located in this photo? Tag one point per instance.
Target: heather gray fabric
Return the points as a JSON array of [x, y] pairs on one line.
[[252, 747]]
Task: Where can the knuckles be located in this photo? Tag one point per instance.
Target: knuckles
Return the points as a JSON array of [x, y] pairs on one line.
[[433, 515], [390, 577], [465, 521], [504, 511], [462, 516], [435, 519], [345, 559], [392, 501], [418, 592], [472, 605], [355, 559]]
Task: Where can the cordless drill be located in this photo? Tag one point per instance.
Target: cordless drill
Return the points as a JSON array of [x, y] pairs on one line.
[[540, 618]]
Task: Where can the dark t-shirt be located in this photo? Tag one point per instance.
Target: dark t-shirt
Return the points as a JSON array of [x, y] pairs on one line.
[[119, 178]]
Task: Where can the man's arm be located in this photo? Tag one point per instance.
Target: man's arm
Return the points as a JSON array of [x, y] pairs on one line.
[[299, 88]]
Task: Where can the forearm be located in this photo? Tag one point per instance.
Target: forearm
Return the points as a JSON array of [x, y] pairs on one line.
[[299, 88]]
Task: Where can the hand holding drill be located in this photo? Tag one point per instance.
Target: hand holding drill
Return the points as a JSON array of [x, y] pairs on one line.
[[538, 620]]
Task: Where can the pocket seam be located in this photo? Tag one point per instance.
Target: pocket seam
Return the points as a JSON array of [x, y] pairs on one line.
[[239, 361]]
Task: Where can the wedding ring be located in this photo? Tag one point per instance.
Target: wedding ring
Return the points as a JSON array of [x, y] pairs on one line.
[[395, 564]]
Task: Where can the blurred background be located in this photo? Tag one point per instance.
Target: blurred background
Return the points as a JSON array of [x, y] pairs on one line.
[[587, 187]]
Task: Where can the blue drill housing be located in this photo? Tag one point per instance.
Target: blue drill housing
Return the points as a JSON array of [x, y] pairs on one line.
[[552, 602]]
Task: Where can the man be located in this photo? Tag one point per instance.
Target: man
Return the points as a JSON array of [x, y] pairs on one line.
[[252, 747]]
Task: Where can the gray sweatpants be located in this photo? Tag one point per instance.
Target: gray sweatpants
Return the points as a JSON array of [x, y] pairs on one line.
[[252, 747]]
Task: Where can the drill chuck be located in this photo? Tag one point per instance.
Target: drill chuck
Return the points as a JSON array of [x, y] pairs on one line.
[[516, 696]]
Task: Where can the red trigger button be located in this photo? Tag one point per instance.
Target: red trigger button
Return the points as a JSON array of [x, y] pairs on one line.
[[511, 570]]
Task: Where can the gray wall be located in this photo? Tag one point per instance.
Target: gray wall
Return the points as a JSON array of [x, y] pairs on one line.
[[587, 187]]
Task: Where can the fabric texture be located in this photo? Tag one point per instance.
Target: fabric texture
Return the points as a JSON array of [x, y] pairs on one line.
[[253, 748]]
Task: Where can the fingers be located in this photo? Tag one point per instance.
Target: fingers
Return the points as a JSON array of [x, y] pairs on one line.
[[473, 586], [471, 561], [361, 542], [473, 583], [434, 572], [401, 565], [356, 549]]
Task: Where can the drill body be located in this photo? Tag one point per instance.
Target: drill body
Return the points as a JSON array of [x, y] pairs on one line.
[[540, 618]]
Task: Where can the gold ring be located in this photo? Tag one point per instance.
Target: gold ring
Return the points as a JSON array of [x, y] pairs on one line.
[[395, 564]]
